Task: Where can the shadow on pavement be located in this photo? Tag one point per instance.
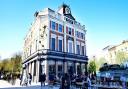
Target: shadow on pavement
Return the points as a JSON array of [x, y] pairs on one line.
[[24, 87], [32, 87]]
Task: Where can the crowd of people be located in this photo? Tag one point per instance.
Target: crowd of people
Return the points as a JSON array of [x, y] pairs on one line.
[[66, 80], [83, 81], [10, 77]]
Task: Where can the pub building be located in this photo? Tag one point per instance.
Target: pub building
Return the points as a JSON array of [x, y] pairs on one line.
[[55, 44]]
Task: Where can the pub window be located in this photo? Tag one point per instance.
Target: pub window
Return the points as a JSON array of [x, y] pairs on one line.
[[70, 47], [60, 45], [69, 31], [82, 35], [82, 50], [78, 49], [60, 28], [53, 44], [53, 25]]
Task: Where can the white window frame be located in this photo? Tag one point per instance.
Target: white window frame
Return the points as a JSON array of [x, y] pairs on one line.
[[78, 43], [52, 36], [60, 38], [82, 44], [69, 41]]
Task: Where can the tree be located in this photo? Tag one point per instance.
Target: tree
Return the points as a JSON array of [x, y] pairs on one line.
[[100, 62], [13, 64], [121, 57], [17, 63], [0, 64], [92, 66]]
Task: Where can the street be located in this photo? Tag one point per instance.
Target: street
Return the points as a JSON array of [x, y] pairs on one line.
[[5, 85], [31, 87]]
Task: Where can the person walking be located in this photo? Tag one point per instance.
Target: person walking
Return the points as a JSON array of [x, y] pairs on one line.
[[29, 78]]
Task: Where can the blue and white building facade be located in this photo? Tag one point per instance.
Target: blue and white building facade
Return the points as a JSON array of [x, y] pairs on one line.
[[55, 44]]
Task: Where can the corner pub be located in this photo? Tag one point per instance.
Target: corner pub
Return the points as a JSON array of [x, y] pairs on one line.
[[55, 44]]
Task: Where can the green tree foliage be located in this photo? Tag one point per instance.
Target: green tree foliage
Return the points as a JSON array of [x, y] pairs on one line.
[[92, 66], [17, 63], [100, 62], [0, 65], [12, 64], [121, 57]]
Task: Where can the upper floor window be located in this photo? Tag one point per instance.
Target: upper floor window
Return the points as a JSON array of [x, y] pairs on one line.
[[69, 31], [60, 28], [77, 34], [53, 25], [70, 47], [53, 44], [60, 45], [78, 49], [82, 50], [83, 36], [80, 35]]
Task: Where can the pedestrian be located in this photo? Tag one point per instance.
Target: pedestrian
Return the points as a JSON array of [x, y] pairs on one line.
[[29, 78], [65, 83], [89, 82], [21, 77], [24, 80], [62, 82], [123, 79], [42, 79]]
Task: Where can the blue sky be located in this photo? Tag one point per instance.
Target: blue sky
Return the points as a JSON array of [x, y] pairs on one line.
[[106, 21]]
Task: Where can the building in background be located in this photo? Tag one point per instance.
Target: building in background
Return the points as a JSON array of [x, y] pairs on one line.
[[110, 52], [106, 54], [55, 44]]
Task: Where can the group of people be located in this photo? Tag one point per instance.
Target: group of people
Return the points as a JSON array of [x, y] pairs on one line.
[[11, 78], [82, 80], [66, 80], [25, 79]]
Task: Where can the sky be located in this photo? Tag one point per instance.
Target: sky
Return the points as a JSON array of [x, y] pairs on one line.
[[106, 22]]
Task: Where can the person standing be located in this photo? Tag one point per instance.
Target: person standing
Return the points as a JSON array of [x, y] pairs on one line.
[[89, 82], [123, 79], [62, 82], [65, 83], [42, 79]]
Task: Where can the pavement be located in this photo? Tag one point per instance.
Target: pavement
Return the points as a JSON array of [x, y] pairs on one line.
[[5, 85]]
